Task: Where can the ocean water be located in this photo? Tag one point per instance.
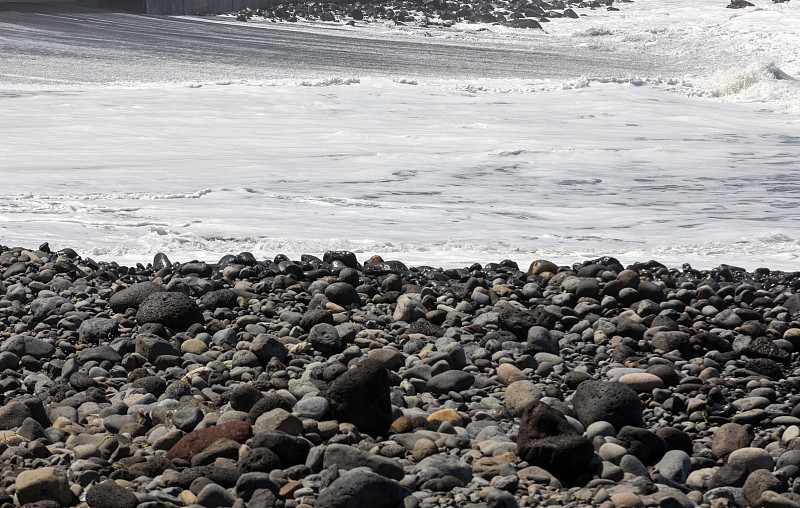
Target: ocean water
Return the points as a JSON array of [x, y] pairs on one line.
[[667, 130]]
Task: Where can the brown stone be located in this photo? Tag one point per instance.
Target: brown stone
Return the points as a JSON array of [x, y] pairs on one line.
[[542, 266], [489, 467], [198, 440], [401, 425], [288, 490], [626, 500], [447, 415], [424, 448], [642, 382], [730, 437], [508, 373]]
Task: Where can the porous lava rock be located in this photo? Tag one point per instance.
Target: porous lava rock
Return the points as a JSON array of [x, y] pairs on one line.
[[546, 439], [609, 401]]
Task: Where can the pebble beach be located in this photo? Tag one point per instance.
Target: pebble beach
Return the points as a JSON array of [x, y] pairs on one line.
[[339, 381]]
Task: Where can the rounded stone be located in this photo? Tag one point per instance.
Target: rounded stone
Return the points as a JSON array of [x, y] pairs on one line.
[[758, 482], [642, 382], [447, 415], [730, 437], [194, 346], [451, 381], [754, 458], [600, 428], [311, 407], [675, 465], [626, 500]]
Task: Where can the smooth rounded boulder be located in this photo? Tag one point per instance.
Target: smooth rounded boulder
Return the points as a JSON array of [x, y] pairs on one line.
[[133, 296]]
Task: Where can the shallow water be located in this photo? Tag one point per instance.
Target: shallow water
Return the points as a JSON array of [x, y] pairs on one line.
[[699, 167]]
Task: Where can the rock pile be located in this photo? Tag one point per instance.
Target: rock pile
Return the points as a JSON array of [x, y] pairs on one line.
[[326, 382]]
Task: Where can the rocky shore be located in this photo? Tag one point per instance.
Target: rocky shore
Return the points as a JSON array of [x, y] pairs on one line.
[[530, 14], [339, 382], [442, 13]]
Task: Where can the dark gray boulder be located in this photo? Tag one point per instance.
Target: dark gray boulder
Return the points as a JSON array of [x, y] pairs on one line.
[[363, 488], [43, 307], [153, 346], [99, 354], [109, 494], [152, 384], [133, 296], [266, 347], [244, 397], [324, 338], [519, 322], [348, 457], [343, 294], [98, 329], [315, 317], [25, 344], [361, 396], [291, 450], [609, 401], [643, 444], [248, 483], [451, 381], [13, 414], [347, 258], [546, 439], [226, 298], [669, 341], [173, 310]]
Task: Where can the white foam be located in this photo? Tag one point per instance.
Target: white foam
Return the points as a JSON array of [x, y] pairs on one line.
[[696, 165]]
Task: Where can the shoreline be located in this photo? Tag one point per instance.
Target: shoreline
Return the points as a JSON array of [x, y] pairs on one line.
[[323, 381]]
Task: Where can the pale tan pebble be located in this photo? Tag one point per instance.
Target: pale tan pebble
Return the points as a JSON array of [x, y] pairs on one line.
[[62, 422], [134, 398], [696, 496], [510, 457], [507, 373], [327, 428], [757, 458], [708, 373], [642, 382], [791, 432], [188, 497], [771, 499], [792, 333], [407, 387], [424, 447], [194, 346], [539, 476], [699, 479], [626, 500], [334, 308], [600, 337]]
